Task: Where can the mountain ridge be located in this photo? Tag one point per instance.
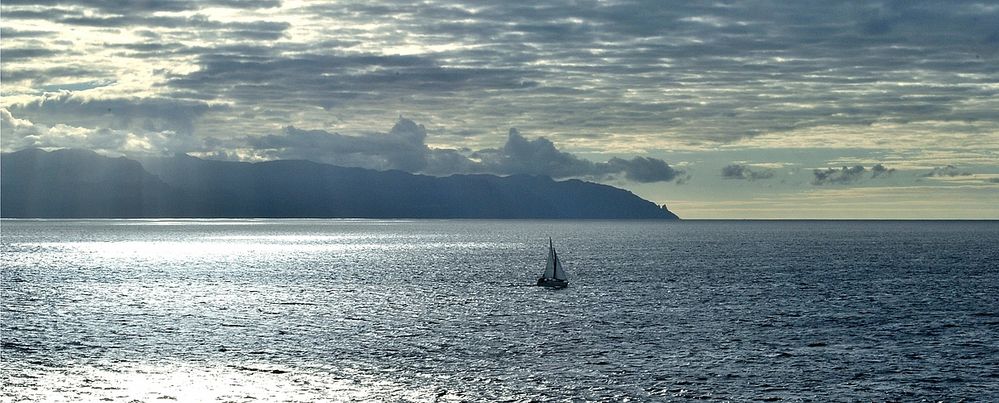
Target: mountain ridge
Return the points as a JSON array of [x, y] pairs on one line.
[[74, 183]]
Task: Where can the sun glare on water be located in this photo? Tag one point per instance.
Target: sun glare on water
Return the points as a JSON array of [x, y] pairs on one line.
[[200, 383]]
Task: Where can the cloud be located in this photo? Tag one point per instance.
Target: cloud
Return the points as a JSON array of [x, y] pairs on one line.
[[879, 169], [948, 171], [738, 171], [792, 46], [26, 53], [540, 157], [8, 33], [404, 148], [840, 176], [162, 16], [846, 175], [150, 114], [253, 30], [115, 125], [48, 74], [14, 128], [645, 169], [328, 80], [143, 7], [713, 72], [22, 133]]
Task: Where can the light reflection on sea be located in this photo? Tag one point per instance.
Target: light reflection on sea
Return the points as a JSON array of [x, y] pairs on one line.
[[189, 383], [307, 310]]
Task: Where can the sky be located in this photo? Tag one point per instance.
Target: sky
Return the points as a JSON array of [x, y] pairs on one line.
[[718, 109]]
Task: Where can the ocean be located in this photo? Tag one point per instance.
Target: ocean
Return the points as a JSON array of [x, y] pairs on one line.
[[444, 310]]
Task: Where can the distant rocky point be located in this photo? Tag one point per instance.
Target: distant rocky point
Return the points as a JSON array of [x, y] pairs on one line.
[[83, 184]]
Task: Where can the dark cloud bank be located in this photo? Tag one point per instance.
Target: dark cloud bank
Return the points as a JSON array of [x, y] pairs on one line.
[[404, 148], [149, 114], [948, 171], [738, 171], [828, 176], [168, 126], [846, 175]]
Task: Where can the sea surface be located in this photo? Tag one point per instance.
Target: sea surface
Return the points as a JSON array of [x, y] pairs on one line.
[[428, 310]]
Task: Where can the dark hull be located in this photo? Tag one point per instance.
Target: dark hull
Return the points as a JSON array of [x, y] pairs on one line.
[[552, 283]]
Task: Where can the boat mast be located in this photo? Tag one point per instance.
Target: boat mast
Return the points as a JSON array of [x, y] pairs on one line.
[[555, 265], [555, 262]]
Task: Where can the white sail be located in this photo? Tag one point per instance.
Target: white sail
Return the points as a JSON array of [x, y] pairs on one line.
[[550, 263], [553, 266], [554, 275], [558, 272]]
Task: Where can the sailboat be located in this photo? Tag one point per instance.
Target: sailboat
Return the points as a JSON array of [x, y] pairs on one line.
[[554, 276]]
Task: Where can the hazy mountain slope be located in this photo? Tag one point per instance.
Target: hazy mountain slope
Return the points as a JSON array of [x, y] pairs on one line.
[[75, 183], [79, 183]]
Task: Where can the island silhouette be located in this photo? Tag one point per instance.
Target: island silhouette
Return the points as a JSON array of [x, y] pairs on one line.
[[73, 183]]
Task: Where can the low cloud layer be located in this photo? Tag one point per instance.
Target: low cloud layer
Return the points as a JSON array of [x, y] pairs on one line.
[[946, 171], [23, 133], [145, 113], [847, 175], [738, 171], [401, 148], [880, 170], [404, 148], [541, 157]]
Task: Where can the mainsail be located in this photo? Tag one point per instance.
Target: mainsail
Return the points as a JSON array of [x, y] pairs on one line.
[[553, 267], [559, 273]]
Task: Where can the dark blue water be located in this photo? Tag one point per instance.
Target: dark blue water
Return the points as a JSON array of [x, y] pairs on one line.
[[303, 310]]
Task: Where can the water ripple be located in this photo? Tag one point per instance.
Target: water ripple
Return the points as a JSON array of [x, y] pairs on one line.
[[341, 310]]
